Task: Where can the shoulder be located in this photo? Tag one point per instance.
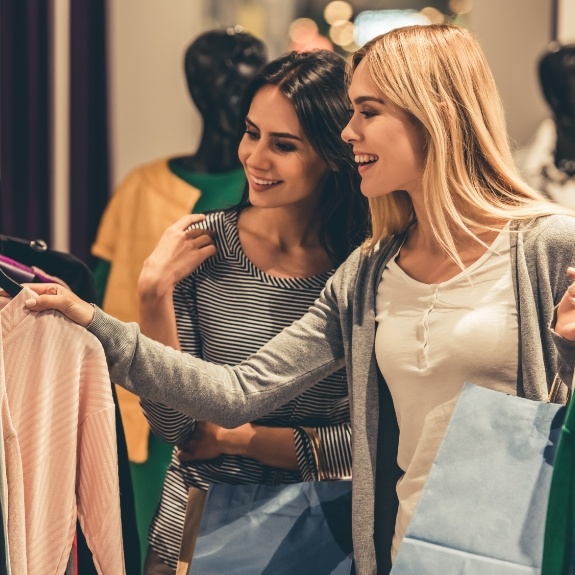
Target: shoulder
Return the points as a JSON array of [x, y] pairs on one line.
[[223, 223], [142, 177], [556, 232], [147, 171], [362, 263]]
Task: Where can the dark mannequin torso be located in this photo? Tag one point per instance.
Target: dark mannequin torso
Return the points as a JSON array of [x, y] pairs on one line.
[[218, 66], [557, 77]]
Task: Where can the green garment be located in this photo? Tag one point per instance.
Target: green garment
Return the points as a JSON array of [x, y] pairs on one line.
[[219, 191], [558, 557]]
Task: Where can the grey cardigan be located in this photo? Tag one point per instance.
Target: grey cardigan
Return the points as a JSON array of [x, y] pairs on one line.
[[340, 330]]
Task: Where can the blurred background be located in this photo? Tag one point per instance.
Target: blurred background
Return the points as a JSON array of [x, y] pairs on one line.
[[91, 89]]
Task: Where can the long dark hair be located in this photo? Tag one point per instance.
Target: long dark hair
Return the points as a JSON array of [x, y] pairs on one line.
[[315, 84]]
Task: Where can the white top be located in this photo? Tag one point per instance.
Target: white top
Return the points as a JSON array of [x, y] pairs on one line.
[[430, 339]]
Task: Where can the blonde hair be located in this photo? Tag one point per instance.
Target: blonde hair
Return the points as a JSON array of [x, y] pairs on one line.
[[438, 74]]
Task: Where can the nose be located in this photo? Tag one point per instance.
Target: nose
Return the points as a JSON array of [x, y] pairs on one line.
[[348, 135], [256, 155]]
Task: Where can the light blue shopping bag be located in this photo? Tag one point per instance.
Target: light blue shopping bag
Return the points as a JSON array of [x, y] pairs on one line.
[[482, 509], [299, 528]]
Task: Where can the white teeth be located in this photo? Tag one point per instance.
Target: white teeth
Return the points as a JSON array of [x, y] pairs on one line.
[[265, 182], [365, 159]]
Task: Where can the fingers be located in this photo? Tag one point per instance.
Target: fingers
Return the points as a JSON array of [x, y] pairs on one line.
[[54, 296], [184, 456], [202, 241], [47, 301], [571, 288], [40, 289], [189, 220]]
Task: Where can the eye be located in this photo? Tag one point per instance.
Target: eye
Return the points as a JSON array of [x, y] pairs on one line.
[[285, 147], [251, 134], [367, 114]]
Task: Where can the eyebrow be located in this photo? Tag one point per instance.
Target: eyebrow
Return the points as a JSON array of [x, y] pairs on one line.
[[362, 99], [277, 134]]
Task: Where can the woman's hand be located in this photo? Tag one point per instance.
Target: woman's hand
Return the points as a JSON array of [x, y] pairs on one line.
[[55, 296], [565, 325], [204, 443], [273, 446], [178, 253]]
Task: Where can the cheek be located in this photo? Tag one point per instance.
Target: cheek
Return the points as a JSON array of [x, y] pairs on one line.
[[243, 150]]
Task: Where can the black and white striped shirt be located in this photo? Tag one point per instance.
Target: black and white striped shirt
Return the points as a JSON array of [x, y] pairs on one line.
[[226, 310]]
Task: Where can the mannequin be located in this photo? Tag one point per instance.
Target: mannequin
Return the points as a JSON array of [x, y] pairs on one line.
[[557, 77], [549, 163], [218, 65]]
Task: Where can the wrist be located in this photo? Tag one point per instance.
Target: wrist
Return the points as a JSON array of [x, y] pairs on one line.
[[236, 441], [152, 289]]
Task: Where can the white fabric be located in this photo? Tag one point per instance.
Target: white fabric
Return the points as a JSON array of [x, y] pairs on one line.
[[537, 164], [430, 339]]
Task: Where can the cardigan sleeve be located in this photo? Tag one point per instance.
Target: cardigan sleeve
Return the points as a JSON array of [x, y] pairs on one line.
[[297, 358], [566, 353]]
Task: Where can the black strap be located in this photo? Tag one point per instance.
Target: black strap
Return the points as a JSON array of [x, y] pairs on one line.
[[387, 475]]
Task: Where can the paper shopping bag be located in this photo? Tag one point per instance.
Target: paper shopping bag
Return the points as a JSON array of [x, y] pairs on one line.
[[483, 506], [299, 528]]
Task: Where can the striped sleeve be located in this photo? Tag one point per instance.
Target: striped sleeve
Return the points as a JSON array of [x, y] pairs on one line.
[[324, 453]]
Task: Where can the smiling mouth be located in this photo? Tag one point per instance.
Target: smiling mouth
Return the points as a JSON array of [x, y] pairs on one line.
[[365, 159], [261, 182]]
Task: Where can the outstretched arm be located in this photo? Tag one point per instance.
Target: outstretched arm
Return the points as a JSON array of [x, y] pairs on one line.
[[297, 358]]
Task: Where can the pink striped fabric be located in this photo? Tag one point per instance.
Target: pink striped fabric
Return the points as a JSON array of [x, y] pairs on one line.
[[61, 407]]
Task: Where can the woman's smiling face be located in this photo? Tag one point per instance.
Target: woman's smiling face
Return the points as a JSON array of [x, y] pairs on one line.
[[281, 166], [389, 146]]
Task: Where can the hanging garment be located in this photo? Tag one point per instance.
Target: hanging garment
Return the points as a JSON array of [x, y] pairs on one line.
[[80, 279], [60, 403], [59, 264], [11, 473], [146, 202]]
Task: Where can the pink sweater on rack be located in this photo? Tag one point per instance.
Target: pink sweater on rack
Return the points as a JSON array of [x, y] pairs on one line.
[[60, 403]]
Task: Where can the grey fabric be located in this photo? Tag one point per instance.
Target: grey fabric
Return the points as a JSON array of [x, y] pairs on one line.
[[340, 329]]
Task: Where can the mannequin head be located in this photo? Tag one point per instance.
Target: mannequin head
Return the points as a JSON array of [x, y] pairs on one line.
[[557, 77], [218, 65]]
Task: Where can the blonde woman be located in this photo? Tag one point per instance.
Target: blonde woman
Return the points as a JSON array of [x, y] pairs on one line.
[[458, 281]]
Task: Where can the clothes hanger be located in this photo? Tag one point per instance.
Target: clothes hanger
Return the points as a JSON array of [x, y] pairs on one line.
[[11, 287]]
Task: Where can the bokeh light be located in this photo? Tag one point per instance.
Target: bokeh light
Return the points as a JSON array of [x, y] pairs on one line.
[[337, 10], [341, 32], [433, 14], [372, 23], [460, 6], [302, 30]]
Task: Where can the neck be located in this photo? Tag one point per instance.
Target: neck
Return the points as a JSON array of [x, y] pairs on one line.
[[422, 236], [285, 228], [422, 233], [216, 154], [564, 155]]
